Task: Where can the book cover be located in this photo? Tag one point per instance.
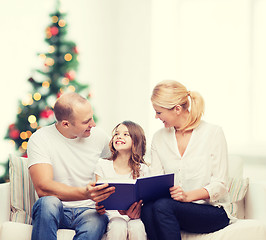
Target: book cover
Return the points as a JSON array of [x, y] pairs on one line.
[[145, 188]]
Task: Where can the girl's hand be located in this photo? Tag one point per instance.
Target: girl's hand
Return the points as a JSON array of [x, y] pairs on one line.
[[100, 209], [178, 194], [134, 211]]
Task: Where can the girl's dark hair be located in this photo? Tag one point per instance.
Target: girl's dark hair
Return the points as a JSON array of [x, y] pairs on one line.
[[138, 146]]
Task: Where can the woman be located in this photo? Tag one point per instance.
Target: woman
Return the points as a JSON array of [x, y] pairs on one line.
[[196, 152]]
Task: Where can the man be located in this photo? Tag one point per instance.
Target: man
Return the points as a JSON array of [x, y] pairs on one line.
[[62, 159]]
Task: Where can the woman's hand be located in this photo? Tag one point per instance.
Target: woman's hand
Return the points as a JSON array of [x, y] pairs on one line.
[[100, 209], [134, 211], [177, 193]]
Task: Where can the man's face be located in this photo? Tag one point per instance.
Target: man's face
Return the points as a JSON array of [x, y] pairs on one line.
[[83, 121]]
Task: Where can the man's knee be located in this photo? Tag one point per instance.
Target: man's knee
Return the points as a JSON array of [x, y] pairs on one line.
[[91, 219], [48, 205]]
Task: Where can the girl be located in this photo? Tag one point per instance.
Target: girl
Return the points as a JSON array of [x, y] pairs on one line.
[[128, 147]]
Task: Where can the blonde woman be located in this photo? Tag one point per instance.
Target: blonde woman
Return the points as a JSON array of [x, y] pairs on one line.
[[196, 152]]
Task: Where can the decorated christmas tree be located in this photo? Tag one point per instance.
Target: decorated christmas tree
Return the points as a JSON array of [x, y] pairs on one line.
[[56, 76]]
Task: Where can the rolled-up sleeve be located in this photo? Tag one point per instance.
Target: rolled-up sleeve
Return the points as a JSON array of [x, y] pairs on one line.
[[219, 166]]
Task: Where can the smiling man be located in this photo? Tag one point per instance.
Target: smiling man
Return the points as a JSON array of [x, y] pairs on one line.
[[62, 159]]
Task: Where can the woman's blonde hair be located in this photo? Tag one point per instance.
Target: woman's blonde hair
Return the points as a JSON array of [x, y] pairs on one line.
[[169, 93], [138, 146]]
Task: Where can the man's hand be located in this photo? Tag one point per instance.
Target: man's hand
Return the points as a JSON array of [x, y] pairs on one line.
[[100, 209], [134, 211], [100, 192]]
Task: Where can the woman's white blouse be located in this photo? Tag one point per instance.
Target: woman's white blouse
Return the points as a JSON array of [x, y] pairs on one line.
[[204, 163]]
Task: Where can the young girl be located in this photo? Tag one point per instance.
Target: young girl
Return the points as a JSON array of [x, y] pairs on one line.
[[128, 147]]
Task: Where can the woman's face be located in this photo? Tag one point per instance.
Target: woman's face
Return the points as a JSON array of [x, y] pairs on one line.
[[168, 117], [122, 140]]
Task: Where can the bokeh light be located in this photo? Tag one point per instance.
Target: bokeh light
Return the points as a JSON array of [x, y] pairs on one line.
[[32, 119], [68, 57]]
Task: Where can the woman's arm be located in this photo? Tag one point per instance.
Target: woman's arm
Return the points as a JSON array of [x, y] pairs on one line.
[[219, 167], [177, 193]]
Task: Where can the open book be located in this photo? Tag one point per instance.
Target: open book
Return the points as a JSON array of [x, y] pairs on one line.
[[129, 191]]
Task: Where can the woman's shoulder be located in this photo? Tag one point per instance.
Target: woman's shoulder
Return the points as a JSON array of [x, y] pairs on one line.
[[209, 129], [209, 126]]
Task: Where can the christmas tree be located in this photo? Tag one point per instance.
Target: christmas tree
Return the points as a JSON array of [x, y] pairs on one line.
[[56, 76]]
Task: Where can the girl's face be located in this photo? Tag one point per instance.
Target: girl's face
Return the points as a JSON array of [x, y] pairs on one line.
[[122, 140]]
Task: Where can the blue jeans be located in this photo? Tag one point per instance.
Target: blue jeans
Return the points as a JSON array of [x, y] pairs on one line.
[[49, 215], [165, 218]]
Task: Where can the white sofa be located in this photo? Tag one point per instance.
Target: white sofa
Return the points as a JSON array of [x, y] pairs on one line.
[[252, 207]]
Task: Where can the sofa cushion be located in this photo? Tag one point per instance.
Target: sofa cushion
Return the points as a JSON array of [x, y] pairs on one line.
[[15, 231], [240, 230], [244, 229], [22, 193], [237, 188]]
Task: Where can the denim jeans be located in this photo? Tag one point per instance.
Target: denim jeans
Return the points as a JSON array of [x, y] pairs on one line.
[[49, 215], [165, 218]]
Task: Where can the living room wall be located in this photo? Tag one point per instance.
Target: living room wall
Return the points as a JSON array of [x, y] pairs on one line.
[[216, 47]]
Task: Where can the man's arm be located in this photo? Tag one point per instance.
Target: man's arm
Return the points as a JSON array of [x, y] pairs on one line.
[[42, 178]]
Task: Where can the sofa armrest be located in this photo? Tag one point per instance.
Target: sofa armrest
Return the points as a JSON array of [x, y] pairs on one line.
[[4, 202], [255, 199]]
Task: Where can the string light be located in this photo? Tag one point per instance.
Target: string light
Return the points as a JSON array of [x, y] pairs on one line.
[[22, 150], [71, 88], [65, 81], [68, 57], [24, 145], [37, 96], [32, 119], [51, 49], [45, 84], [23, 135], [27, 100], [12, 142], [34, 125], [29, 133], [62, 23], [48, 33], [49, 61], [42, 56], [54, 19]]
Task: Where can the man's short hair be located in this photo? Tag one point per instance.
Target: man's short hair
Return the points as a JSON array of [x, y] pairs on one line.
[[63, 108]]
